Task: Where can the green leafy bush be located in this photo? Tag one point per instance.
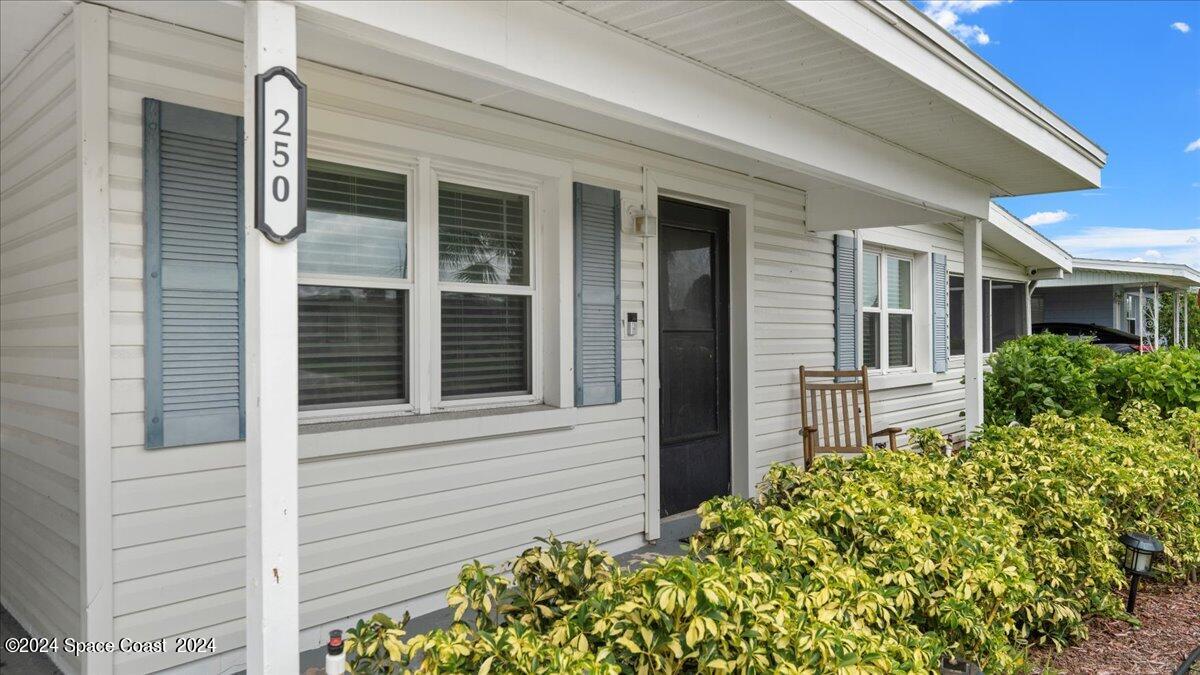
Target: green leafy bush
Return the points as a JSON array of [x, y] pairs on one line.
[[1042, 373], [1169, 378], [1052, 373], [885, 563]]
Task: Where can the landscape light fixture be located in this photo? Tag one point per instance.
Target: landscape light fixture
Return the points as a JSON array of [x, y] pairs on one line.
[[1140, 550]]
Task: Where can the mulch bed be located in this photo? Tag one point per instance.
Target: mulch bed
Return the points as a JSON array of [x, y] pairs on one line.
[[1170, 629]]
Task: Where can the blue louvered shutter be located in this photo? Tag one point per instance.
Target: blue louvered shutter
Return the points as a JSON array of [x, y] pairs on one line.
[[597, 295], [193, 275], [940, 332], [845, 300]]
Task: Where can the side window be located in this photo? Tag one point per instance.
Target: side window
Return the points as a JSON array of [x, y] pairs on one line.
[[887, 310]]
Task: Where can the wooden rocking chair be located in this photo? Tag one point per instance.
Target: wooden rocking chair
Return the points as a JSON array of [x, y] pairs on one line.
[[836, 416]]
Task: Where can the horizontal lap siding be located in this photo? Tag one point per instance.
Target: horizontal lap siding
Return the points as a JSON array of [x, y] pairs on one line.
[[376, 530], [793, 325], [1080, 304], [39, 344]]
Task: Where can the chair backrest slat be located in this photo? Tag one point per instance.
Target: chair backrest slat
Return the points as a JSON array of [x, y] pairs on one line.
[[858, 432]]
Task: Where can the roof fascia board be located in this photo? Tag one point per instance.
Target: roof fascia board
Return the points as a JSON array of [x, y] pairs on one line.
[[1014, 228], [551, 51], [1179, 272], [963, 57], [897, 42]]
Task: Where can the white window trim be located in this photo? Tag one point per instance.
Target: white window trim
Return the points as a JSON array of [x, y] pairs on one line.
[[884, 311], [423, 173]]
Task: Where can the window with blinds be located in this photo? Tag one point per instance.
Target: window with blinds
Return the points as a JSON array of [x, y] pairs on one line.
[[354, 288], [485, 292], [887, 311]]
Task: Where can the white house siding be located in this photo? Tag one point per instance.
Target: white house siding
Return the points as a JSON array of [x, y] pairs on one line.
[[793, 326], [387, 528], [39, 343]]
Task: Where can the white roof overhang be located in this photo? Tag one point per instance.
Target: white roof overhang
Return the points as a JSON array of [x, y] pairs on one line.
[[790, 94], [1096, 271], [1005, 233], [881, 67]]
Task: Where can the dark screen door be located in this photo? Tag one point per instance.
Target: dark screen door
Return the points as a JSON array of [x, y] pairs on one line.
[[693, 319]]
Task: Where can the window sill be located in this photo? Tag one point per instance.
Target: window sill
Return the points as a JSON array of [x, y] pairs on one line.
[[329, 439], [898, 380]]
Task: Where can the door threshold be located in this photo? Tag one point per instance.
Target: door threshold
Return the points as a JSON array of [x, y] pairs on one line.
[[678, 516]]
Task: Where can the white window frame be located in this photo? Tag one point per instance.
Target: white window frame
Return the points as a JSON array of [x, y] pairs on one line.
[[884, 311], [424, 287], [443, 173], [406, 284]]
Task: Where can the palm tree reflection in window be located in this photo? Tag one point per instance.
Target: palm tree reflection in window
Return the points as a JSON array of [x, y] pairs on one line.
[[482, 236]]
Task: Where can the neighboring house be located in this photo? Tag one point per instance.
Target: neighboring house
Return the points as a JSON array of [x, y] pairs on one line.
[[1118, 294], [562, 264]]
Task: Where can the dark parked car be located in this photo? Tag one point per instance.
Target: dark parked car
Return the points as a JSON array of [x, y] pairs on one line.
[[1115, 339]]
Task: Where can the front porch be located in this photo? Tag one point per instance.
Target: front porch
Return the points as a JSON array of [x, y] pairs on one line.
[[385, 441]]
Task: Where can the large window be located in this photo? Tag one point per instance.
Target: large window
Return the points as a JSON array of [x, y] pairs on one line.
[[1003, 313], [887, 310], [466, 289]]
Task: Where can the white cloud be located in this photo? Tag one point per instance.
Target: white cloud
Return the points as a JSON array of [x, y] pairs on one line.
[[1046, 217], [1194, 145], [1181, 27], [947, 14], [1130, 243]]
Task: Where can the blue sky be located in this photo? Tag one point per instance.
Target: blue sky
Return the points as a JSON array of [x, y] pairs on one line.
[[1127, 75]]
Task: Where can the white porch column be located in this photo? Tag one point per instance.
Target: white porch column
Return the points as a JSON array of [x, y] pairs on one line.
[[1141, 322], [1175, 306], [973, 320], [272, 570], [1154, 318]]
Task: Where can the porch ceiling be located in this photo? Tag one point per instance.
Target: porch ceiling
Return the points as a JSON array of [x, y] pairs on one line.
[[784, 49]]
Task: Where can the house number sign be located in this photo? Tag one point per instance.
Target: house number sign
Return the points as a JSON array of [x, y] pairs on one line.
[[281, 141]]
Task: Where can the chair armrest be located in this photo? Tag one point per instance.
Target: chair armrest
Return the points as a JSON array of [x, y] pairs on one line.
[[890, 431]]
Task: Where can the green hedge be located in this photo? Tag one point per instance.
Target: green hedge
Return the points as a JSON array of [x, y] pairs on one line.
[[1168, 378], [884, 563], [1051, 373]]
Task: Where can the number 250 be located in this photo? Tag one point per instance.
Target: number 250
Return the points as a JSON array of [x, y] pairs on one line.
[[280, 189]]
